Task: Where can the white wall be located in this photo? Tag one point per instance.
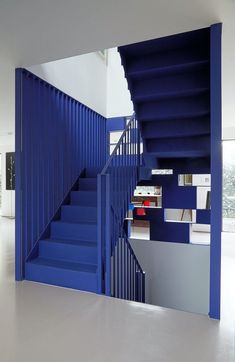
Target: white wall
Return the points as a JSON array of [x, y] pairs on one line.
[[202, 196], [177, 275], [7, 100], [8, 197], [90, 79], [7, 125], [83, 78], [118, 96]]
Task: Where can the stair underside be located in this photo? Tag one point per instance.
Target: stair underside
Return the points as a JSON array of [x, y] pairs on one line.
[[169, 82]]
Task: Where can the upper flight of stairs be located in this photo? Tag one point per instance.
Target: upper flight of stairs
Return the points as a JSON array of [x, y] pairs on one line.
[[68, 258], [169, 82]]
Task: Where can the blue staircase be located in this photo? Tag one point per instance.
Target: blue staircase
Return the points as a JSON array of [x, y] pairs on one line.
[[68, 257], [169, 82], [85, 246]]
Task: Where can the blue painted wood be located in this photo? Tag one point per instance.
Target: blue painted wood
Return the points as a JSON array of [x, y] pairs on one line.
[[203, 217], [85, 198], [100, 232], [169, 231], [108, 246], [56, 138], [116, 124], [60, 229], [183, 165], [19, 248], [84, 252], [62, 273], [176, 128], [75, 214], [175, 85], [116, 184], [216, 172], [87, 184], [68, 248]]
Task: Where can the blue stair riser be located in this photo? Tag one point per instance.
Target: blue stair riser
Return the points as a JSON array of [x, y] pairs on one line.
[[178, 83], [70, 252], [61, 230], [166, 70], [85, 198], [166, 59], [76, 214], [61, 277], [87, 184], [190, 39], [180, 107], [197, 165], [92, 171], [176, 128], [187, 144]]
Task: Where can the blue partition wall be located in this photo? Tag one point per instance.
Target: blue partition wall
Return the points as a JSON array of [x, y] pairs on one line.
[[56, 138], [175, 86], [216, 170]]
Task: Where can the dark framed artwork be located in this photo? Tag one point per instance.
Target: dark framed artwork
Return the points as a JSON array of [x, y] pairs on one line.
[[10, 171]]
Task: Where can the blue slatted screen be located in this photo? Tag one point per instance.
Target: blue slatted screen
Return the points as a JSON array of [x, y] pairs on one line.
[[56, 138]]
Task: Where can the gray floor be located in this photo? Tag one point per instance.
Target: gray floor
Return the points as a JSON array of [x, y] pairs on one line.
[[49, 324]]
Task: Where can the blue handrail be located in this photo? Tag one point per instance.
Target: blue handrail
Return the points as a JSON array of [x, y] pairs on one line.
[[119, 272]]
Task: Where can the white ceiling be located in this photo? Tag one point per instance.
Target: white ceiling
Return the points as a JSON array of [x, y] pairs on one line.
[[37, 31]]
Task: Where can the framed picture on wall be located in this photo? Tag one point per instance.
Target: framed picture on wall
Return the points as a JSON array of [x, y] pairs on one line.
[[10, 171]]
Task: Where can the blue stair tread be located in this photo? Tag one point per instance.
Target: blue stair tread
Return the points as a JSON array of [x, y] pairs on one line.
[[75, 207], [169, 95], [71, 230], [61, 264], [92, 171], [180, 154], [171, 69], [90, 178], [89, 244], [82, 197], [85, 192], [80, 207], [78, 213], [176, 128], [172, 117], [87, 183], [75, 223], [192, 39]]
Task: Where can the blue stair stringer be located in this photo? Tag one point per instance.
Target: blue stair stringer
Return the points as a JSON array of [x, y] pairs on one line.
[[68, 257]]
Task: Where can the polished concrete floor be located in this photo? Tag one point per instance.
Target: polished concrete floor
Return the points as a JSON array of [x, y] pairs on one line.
[[49, 324]]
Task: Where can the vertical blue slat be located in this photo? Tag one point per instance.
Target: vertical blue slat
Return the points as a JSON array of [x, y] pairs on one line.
[[107, 237], [19, 254], [99, 233], [54, 142], [216, 172]]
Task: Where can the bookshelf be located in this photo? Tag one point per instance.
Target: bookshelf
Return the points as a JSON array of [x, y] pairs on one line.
[[147, 197]]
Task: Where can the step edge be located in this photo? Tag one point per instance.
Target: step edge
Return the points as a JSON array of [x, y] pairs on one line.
[[32, 262]]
